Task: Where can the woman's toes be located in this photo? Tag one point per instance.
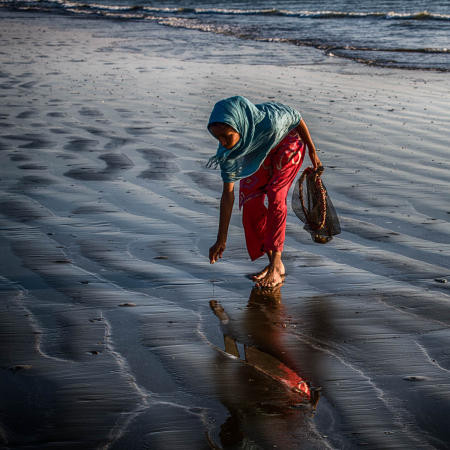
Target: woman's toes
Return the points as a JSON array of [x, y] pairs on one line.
[[260, 275], [270, 281]]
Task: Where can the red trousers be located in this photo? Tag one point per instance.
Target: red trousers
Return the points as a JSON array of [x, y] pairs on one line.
[[265, 226]]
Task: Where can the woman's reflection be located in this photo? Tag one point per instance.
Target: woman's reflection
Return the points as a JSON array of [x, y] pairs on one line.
[[267, 399]]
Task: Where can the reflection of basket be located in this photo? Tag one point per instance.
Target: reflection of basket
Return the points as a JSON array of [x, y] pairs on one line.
[[313, 206]]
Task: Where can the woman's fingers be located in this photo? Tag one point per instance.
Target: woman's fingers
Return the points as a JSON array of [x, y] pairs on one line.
[[212, 255], [317, 163], [216, 252]]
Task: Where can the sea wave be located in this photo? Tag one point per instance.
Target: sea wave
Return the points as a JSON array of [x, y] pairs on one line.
[[376, 56], [319, 14], [420, 15], [238, 32]]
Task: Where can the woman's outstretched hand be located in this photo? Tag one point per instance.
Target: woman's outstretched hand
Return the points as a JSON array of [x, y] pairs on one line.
[[216, 251]]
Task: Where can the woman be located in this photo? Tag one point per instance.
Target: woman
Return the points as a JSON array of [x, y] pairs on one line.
[[263, 147]]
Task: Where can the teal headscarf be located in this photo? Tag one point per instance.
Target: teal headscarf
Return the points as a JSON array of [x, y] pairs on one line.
[[261, 128]]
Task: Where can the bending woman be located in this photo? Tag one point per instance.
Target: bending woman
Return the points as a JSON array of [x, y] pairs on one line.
[[263, 147]]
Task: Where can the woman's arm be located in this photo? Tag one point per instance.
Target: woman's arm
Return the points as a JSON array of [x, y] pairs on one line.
[[226, 208], [306, 138]]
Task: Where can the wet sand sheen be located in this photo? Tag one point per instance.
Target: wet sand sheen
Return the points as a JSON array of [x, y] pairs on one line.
[[115, 332]]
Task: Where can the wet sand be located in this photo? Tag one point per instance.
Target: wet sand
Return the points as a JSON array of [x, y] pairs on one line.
[[116, 332]]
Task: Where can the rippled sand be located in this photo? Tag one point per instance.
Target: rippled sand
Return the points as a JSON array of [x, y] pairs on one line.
[[116, 332]]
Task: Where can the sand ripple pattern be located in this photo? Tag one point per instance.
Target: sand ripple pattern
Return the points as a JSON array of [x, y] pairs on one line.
[[106, 216]]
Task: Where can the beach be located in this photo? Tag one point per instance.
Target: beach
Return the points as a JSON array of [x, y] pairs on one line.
[[108, 337]]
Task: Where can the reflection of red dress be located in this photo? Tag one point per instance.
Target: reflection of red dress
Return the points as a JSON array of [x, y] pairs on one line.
[[276, 370], [265, 226]]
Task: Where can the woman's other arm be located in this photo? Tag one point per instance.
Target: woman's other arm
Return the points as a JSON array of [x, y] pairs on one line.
[[306, 138], [226, 208]]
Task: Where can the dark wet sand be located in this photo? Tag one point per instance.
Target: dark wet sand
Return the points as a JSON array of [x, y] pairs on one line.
[[117, 333]]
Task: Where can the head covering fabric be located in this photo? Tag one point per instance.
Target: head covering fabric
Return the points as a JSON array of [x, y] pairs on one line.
[[261, 127]]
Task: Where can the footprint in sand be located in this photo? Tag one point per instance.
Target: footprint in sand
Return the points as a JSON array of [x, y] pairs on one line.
[[22, 209], [35, 140], [9, 84], [65, 156], [29, 182], [208, 180], [95, 131], [94, 209], [116, 142], [25, 75], [79, 144], [90, 112], [125, 112], [26, 114], [32, 166], [28, 84], [115, 163], [161, 164], [56, 114], [138, 129], [59, 131], [19, 157]]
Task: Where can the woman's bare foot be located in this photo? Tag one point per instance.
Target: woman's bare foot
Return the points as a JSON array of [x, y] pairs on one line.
[[275, 273], [261, 274], [272, 279]]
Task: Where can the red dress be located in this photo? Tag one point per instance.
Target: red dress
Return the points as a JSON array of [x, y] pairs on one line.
[[265, 226]]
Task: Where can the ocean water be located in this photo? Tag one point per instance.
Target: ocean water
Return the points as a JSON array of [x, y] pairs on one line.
[[412, 34]]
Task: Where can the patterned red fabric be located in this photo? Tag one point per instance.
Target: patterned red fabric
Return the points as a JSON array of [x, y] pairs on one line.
[[265, 227]]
